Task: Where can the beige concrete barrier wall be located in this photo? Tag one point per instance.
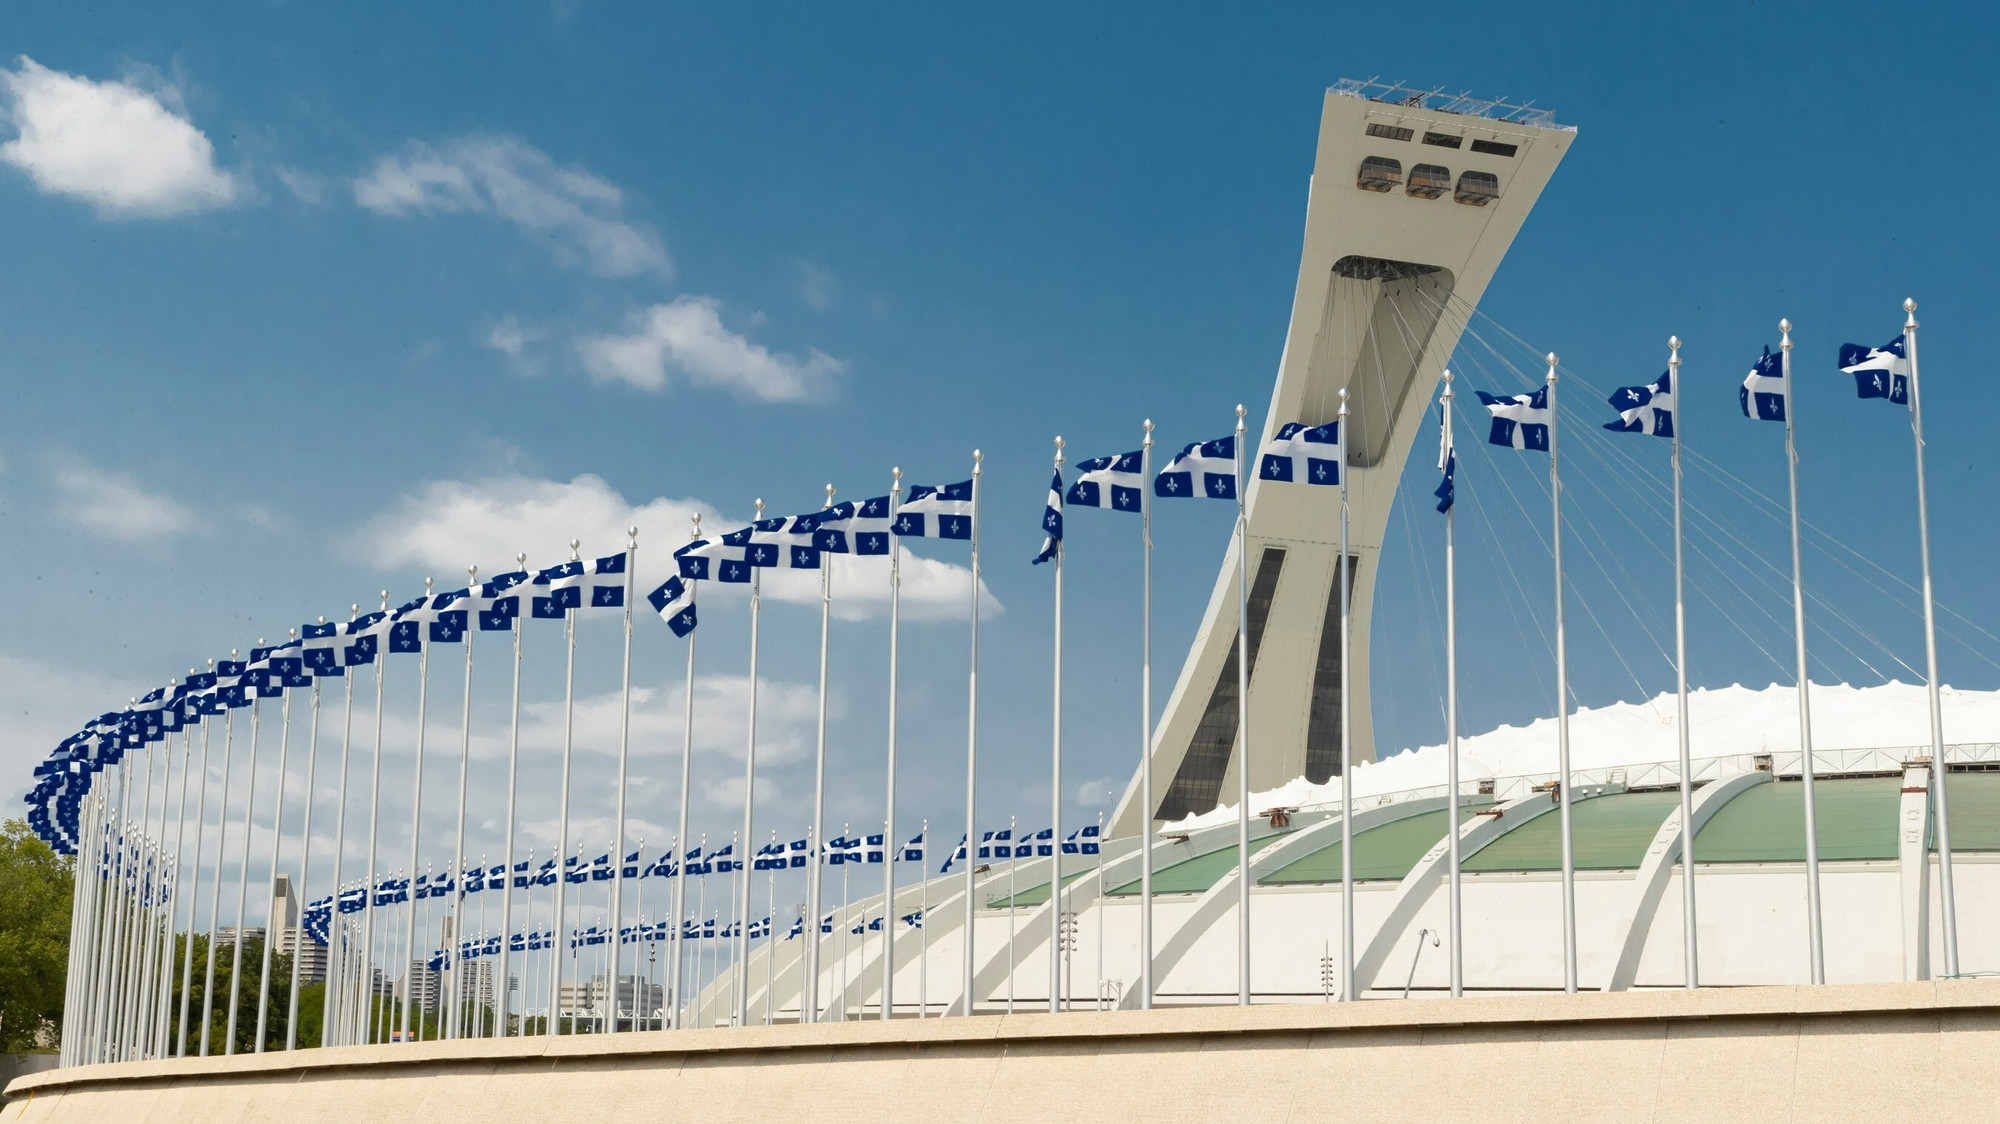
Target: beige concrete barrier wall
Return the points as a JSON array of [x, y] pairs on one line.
[[1865, 1052]]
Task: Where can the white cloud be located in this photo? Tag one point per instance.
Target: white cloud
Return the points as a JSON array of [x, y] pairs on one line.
[[113, 505], [687, 338], [508, 337], [509, 178], [815, 286], [447, 524], [310, 188], [117, 146], [40, 704]]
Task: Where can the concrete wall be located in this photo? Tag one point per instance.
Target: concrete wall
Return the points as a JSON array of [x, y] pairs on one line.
[[1915, 1051]]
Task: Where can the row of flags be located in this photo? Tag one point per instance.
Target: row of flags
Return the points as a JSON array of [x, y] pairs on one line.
[[475, 948]]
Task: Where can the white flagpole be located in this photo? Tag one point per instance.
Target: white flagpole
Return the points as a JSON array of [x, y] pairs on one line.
[[271, 918], [809, 1009], [562, 814], [1146, 806], [1055, 790], [305, 875], [1455, 899], [507, 851], [1347, 740], [180, 853], [370, 1025], [333, 1006], [416, 819], [1562, 703], [1939, 768], [675, 954], [624, 755], [969, 964], [889, 836], [194, 893], [1815, 935], [243, 875], [452, 1025], [221, 853], [923, 938], [1099, 985], [1013, 888], [741, 891], [1692, 969], [1242, 718]]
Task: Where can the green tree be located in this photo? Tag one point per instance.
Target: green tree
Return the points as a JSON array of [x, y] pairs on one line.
[[35, 887]]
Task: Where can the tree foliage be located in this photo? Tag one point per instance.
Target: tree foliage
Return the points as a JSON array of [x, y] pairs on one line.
[[35, 888]]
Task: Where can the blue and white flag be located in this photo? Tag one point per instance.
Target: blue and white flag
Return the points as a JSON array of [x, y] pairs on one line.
[[498, 600], [784, 542], [1879, 372], [875, 849], [1447, 489], [1113, 482], [936, 511], [674, 601], [796, 854], [723, 861], [798, 927], [1082, 841], [1520, 421], [997, 844], [1052, 520], [957, 855], [1044, 844], [713, 560], [1203, 468], [914, 920], [760, 929], [913, 851], [851, 527], [843, 850], [1645, 409], [1764, 389], [771, 856], [1300, 454]]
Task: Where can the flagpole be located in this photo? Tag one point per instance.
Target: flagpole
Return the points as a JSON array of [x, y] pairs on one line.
[[1562, 701], [1055, 786], [453, 1023], [770, 936], [889, 835], [1815, 935], [507, 854], [333, 1006], [370, 1024], [562, 814], [1146, 807], [194, 891], [969, 964], [624, 755], [277, 843], [742, 942], [1939, 767], [416, 817], [305, 874], [1242, 719], [923, 938], [1692, 969], [1455, 897], [1346, 740], [221, 852], [680, 872], [180, 853]]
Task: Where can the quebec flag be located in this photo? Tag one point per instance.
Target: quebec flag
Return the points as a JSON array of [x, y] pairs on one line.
[[1113, 482], [1645, 409], [854, 528], [936, 511], [1203, 468], [1052, 521], [1879, 372], [1520, 421], [1300, 454], [674, 601], [1764, 389]]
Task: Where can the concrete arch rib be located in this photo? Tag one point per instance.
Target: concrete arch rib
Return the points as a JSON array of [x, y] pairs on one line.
[[1219, 900], [1649, 886], [1416, 887]]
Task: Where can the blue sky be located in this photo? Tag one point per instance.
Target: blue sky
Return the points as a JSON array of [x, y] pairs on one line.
[[306, 303]]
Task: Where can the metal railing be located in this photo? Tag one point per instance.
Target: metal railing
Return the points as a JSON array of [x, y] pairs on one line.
[[1463, 103]]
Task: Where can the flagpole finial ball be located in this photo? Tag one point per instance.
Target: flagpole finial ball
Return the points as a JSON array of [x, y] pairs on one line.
[[1909, 304], [1551, 359], [896, 473], [1240, 411], [521, 559], [427, 585], [1149, 425], [1674, 342], [1784, 325]]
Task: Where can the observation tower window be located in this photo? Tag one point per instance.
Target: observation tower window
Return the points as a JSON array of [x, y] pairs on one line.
[[1428, 181], [1379, 173], [1477, 189], [1444, 140], [1390, 132], [1495, 148]]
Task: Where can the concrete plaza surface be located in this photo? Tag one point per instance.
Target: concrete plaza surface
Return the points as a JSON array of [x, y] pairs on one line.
[[1903, 1051]]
